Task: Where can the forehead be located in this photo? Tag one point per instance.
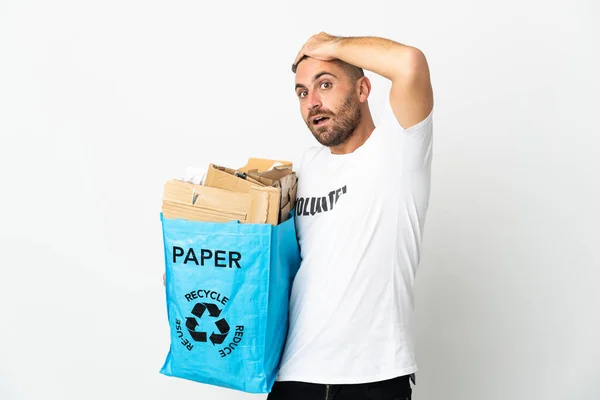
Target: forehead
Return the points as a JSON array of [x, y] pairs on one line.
[[310, 67]]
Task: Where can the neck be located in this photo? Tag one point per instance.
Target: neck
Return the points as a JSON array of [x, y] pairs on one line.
[[362, 132]]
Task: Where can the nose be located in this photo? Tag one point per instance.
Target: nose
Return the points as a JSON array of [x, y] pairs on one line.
[[314, 101]]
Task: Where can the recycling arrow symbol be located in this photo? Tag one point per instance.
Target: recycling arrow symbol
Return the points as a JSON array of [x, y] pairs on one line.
[[198, 311]]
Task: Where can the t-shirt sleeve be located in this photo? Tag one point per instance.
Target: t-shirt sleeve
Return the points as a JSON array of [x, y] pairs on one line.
[[411, 151], [414, 143]]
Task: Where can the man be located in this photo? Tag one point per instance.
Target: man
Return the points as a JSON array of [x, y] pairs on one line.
[[360, 212], [361, 206]]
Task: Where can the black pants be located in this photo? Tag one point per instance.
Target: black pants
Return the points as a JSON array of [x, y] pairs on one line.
[[392, 389]]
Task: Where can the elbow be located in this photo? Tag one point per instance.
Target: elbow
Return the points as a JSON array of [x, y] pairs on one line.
[[412, 64]]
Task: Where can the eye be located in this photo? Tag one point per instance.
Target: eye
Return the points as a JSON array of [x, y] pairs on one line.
[[325, 85], [302, 93]]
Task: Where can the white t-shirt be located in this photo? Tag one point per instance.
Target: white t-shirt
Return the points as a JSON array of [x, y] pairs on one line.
[[360, 220]]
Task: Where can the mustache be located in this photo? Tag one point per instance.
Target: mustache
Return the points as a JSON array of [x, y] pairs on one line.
[[325, 113]]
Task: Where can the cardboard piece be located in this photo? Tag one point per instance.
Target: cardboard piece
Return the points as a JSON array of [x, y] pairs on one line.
[[289, 187], [226, 178], [256, 193], [266, 198], [202, 203], [282, 178], [262, 164]]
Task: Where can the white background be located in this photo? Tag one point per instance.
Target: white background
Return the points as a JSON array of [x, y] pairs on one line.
[[102, 102]]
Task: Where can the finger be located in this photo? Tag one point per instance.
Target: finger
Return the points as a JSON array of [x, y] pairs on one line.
[[298, 58]]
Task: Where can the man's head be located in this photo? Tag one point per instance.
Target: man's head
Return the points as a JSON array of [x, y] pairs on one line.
[[333, 98]]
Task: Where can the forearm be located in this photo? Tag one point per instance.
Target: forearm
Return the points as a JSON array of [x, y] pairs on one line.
[[384, 57]]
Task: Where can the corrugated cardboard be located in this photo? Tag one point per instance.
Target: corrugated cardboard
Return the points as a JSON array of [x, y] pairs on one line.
[[203, 203], [262, 164], [283, 177], [285, 180], [225, 178], [228, 179], [256, 193], [289, 187]]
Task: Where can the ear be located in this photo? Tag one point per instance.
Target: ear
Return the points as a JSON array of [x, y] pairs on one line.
[[363, 88]]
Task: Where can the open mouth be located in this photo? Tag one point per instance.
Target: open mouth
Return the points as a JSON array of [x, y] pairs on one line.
[[319, 120]]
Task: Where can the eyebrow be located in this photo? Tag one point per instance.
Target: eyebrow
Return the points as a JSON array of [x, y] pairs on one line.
[[320, 74], [317, 76]]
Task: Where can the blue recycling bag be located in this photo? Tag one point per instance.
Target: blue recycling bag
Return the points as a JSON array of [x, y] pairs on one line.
[[228, 287]]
